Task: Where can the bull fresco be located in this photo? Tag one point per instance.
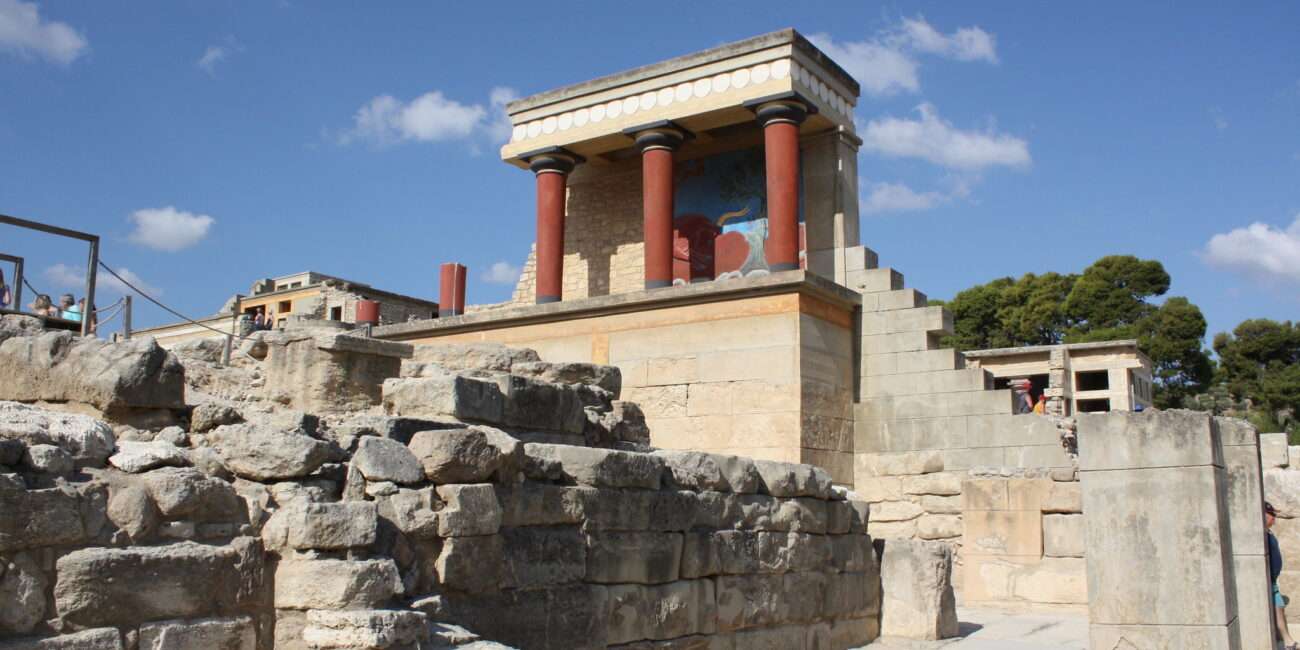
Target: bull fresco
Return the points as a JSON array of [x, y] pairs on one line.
[[720, 224]]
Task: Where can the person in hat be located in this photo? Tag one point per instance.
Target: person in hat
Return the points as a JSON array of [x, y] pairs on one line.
[[1275, 570]]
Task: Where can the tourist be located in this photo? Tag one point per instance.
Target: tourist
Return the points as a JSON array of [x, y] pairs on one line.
[[43, 306], [269, 323], [1275, 570], [94, 319], [68, 308], [5, 297], [1040, 407]]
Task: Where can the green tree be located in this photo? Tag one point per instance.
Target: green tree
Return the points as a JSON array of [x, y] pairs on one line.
[[1260, 362], [1110, 300]]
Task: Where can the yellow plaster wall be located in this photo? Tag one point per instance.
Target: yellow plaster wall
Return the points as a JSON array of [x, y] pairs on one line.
[[768, 377]]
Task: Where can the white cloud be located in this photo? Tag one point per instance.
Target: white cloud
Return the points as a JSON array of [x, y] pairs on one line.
[[886, 62], [879, 68], [169, 229], [934, 139], [74, 279], [501, 273], [1260, 250], [22, 31], [500, 128], [965, 44], [211, 57], [430, 117], [897, 197]]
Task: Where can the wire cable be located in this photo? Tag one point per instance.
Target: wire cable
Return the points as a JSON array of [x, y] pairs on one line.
[[165, 307]]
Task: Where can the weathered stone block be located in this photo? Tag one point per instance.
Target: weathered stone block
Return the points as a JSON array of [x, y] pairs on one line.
[[471, 455], [470, 510], [1128, 440], [1063, 498], [35, 518], [544, 504], [372, 630], [471, 564], [793, 480], [940, 483], [895, 511], [545, 406], [98, 586], [938, 526], [918, 601], [461, 397], [325, 526], [265, 454], [381, 459], [1064, 535], [88, 441], [1273, 451], [132, 510], [640, 557], [668, 611], [335, 584], [22, 592], [104, 638], [751, 601], [563, 618], [899, 464], [204, 634], [187, 492], [594, 467], [941, 505], [543, 556], [61, 367], [1006, 532]]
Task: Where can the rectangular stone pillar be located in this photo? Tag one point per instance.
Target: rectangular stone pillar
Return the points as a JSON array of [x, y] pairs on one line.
[[1241, 460], [1159, 549]]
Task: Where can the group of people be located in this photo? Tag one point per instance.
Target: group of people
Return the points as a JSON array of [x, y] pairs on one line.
[[69, 308], [1025, 402]]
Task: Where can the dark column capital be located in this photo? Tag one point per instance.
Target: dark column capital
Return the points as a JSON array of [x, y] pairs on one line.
[[553, 160], [663, 134], [790, 107]]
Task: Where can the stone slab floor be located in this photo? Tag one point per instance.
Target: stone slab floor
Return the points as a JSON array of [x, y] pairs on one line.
[[995, 629]]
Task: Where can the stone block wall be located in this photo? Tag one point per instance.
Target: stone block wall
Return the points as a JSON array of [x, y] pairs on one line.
[[1203, 587], [1023, 540], [400, 526]]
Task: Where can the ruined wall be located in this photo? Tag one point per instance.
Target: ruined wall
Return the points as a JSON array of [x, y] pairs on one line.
[[403, 523]]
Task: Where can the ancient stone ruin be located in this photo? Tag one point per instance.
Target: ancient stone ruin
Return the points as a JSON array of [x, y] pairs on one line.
[[331, 491]]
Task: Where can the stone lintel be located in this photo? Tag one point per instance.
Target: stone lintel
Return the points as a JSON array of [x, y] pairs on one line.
[[801, 282]]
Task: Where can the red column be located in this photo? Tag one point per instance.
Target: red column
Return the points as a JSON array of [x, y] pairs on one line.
[[552, 171], [657, 146], [451, 290], [780, 122]]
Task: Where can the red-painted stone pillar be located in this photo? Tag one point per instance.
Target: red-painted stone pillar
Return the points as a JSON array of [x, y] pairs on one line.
[[780, 120], [552, 169], [657, 146], [451, 289]]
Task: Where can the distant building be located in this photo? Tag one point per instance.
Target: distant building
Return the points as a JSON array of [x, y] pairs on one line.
[[304, 295], [1076, 377]]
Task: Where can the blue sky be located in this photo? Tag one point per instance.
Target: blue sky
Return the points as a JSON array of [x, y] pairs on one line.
[[212, 143]]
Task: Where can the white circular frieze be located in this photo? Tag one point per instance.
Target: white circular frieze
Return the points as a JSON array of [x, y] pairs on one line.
[[534, 129], [648, 100], [597, 112], [740, 78], [760, 73], [614, 109], [520, 132], [682, 92], [581, 116], [566, 121], [781, 69], [631, 104], [721, 83]]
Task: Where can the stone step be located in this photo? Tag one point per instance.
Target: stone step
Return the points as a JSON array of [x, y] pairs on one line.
[[934, 320], [895, 363], [979, 402], [927, 383], [874, 344], [874, 280], [890, 300]]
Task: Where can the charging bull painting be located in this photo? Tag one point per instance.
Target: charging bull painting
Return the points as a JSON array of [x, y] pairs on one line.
[[720, 225]]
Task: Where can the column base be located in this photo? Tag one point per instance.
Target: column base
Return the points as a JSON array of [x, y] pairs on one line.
[[543, 300], [783, 266], [448, 313], [658, 284]]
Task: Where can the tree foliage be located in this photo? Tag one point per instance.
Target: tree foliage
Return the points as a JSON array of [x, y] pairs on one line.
[[1111, 299], [1260, 362]]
